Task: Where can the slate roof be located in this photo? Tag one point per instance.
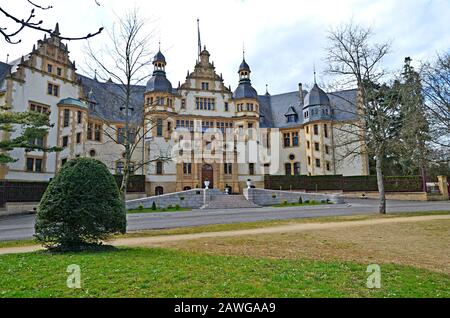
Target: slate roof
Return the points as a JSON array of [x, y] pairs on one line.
[[107, 99], [279, 105], [4, 70], [245, 90], [73, 102], [316, 96], [159, 83]]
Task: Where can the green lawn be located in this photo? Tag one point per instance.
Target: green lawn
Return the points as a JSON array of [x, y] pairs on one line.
[[149, 210], [166, 273]]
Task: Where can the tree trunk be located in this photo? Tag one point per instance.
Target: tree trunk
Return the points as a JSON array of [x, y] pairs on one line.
[[125, 177], [380, 182]]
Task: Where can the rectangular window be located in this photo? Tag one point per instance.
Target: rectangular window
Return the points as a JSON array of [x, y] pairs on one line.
[[98, 130], [120, 135], [78, 138], [89, 131], [187, 168], [204, 103], [251, 169], [65, 141], [318, 163], [119, 167], [131, 135], [226, 107], [39, 142], [66, 118], [183, 103], [307, 129], [30, 164], [316, 129], [42, 109], [59, 71], [309, 160], [325, 130], [205, 86], [79, 117], [287, 139], [308, 144], [52, 89], [328, 166], [34, 164], [287, 169], [49, 68], [159, 167], [295, 139], [159, 127], [327, 149], [316, 146], [297, 168], [228, 168]]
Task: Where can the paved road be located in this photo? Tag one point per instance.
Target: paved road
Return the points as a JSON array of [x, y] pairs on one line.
[[22, 226]]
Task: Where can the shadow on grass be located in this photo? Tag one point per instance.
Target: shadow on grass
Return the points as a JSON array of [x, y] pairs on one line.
[[82, 248]]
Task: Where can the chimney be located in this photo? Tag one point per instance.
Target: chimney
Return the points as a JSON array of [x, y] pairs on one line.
[[300, 91]]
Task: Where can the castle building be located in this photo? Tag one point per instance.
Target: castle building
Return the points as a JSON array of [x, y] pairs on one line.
[[200, 131]]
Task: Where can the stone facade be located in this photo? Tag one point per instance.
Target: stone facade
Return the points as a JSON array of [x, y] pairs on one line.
[[203, 128]]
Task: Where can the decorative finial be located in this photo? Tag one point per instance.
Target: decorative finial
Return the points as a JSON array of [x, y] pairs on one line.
[[314, 67], [95, 75], [243, 51], [56, 31], [7, 58], [199, 40], [267, 89]]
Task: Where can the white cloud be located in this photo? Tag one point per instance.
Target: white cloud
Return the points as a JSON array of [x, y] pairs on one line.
[[282, 38]]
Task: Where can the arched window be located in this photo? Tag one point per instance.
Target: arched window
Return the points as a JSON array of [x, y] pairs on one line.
[[159, 190]]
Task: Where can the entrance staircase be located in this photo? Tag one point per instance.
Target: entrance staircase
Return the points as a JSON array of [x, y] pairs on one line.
[[225, 201]]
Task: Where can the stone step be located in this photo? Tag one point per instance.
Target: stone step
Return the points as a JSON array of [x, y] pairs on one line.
[[229, 202]]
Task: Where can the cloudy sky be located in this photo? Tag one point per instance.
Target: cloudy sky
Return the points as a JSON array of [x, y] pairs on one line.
[[283, 39]]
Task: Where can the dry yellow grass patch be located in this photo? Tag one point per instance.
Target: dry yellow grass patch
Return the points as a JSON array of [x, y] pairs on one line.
[[423, 244]]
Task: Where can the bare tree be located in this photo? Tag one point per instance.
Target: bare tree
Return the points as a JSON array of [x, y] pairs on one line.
[[436, 88], [355, 62], [30, 22], [124, 64]]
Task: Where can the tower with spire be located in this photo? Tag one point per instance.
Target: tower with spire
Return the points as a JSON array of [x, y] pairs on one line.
[[245, 96], [158, 91]]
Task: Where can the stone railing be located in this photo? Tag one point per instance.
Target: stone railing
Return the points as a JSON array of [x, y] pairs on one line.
[[185, 199], [193, 199], [271, 197]]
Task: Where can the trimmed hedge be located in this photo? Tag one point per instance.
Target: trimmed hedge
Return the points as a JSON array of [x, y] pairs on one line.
[[81, 206], [347, 183]]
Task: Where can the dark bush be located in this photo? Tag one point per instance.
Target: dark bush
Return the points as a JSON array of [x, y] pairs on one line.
[[81, 206], [153, 205]]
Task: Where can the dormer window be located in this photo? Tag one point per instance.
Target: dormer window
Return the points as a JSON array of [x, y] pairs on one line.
[[205, 86], [291, 119]]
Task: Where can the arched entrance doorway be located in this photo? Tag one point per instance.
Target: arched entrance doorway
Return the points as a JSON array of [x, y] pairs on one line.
[[207, 174]]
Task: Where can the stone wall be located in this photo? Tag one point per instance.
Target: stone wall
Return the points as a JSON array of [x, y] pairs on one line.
[[193, 199], [271, 197]]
